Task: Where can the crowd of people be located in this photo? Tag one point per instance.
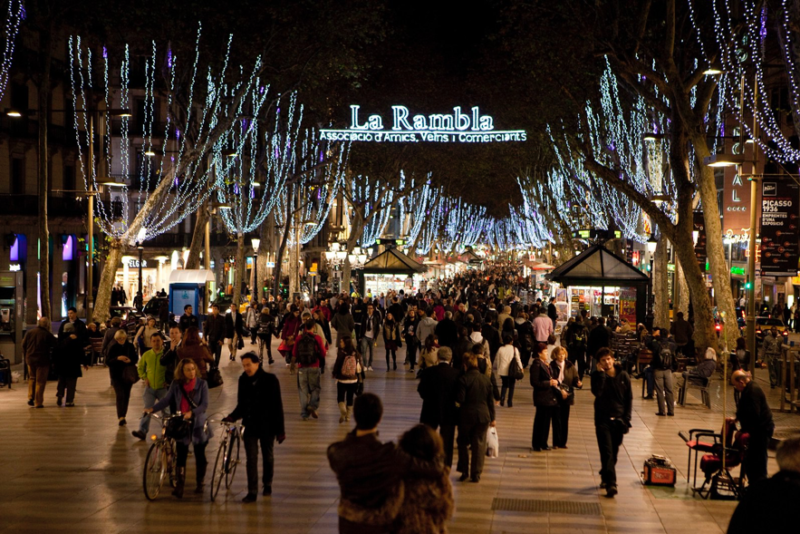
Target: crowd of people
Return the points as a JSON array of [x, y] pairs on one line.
[[469, 339]]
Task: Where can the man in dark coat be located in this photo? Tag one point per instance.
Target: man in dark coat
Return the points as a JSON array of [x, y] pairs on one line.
[[552, 312], [767, 505], [492, 336], [234, 329], [447, 331], [79, 326], [754, 414], [475, 400], [437, 388], [260, 407], [214, 332], [187, 320], [36, 347], [599, 337]]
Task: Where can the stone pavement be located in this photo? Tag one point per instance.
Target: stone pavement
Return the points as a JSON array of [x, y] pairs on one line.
[[75, 470]]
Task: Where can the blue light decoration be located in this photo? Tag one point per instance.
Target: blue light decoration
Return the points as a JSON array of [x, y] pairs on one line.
[[413, 205], [180, 163], [16, 14], [741, 33]]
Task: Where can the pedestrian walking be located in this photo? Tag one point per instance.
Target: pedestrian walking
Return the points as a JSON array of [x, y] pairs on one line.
[[307, 352], [544, 399], [121, 362], [214, 329], [259, 405], [234, 330], [772, 354], [153, 372], [613, 401], [265, 332], [391, 340], [568, 378], [755, 417], [251, 320], [192, 348], [144, 335], [187, 320], [289, 329], [370, 329], [410, 336], [37, 347], [505, 355], [437, 388], [69, 358], [348, 372], [475, 401], [664, 363], [190, 393], [169, 357]]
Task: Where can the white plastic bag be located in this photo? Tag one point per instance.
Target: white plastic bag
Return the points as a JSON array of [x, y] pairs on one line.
[[492, 443]]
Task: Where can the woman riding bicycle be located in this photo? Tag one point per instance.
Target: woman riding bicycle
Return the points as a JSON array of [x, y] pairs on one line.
[[190, 394]]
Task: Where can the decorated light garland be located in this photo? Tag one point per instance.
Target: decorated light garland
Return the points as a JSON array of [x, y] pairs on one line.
[[16, 14]]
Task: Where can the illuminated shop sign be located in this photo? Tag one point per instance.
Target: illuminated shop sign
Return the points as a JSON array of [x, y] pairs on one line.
[[456, 127]]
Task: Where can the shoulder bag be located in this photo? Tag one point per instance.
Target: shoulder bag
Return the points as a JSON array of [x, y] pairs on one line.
[[214, 378], [130, 374], [514, 370]]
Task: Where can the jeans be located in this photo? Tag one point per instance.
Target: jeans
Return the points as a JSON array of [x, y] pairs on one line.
[[663, 379], [541, 426], [346, 392], [251, 442], [37, 380], [609, 438], [649, 377], [308, 388], [774, 367], [471, 438], [216, 349], [122, 390], [508, 385], [69, 384], [367, 344], [561, 424], [150, 397]]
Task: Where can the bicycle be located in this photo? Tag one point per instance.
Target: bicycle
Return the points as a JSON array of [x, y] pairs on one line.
[[161, 462], [227, 457]]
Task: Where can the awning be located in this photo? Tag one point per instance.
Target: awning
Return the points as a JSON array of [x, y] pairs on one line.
[[191, 276], [596, 265], [392, 261]]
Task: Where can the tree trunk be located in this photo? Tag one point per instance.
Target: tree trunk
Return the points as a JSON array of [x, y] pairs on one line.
[[356, 230], [279, 256], [681, 300], [43, 179], [198, 238], [294, 265], [715, 248], [103, 302], [660, 286], [240, 267]]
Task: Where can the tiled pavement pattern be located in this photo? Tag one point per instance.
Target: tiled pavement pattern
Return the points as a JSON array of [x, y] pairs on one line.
[[75, 470]]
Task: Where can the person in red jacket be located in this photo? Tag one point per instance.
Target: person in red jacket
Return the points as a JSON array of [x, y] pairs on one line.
[[308, 356]]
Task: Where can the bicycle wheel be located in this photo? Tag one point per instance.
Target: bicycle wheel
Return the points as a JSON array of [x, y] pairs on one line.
[[155, 469], [172, 463], [219, 469], [232, 460]]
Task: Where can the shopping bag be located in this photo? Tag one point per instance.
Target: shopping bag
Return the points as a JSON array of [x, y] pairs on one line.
[[492, 443]]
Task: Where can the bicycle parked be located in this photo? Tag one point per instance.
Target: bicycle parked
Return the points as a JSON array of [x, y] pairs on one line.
[[161, 460], [227, 457]]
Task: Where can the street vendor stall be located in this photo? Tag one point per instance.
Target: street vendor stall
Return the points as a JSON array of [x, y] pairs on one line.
[[390, 270], [606, 285]]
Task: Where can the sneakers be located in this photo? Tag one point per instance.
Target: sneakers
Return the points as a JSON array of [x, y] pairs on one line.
[[249, 498], [370, 368], [138, 434]]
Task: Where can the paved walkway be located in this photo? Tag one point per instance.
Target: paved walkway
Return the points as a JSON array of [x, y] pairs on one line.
[[74, 470]]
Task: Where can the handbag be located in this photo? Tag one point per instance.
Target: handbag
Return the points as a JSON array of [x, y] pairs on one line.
[[130, 374], [240, 343], [214, 378], [514, 370], [179, 428], [492, 443]]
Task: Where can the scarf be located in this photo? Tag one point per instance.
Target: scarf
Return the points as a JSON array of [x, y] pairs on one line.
[[188, 389]]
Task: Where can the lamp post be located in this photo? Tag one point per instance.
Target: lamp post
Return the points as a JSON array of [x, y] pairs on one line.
[[255, 242], [652, 244], [139, 240]]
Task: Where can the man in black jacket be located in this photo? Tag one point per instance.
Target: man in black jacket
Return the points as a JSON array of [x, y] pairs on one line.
[[613, 401], [755, 416], [214, 332], [599, 337], [437, 388], [187, 320], [475, 400], [260, 407], [234, 329], [447, 331]]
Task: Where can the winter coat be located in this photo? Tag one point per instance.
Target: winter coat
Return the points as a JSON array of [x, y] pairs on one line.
[[115, 366], [69, 357], [199, 354], [200, 397], [543, 393], [344, 324], [259, 404], [36, 346], [427, 507]]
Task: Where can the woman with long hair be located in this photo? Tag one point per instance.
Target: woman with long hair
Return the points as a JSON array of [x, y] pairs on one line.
[[429, 356], [410, 335], [190, 394], [192, 348], [347, 371], [568, 378], [391, 338], [121, 354]]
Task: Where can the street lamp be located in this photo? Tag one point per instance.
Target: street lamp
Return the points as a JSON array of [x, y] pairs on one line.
[[255, 242], [139, 240], [652, 244]]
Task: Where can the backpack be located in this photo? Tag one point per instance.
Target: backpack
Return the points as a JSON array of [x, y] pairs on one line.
[[307, 350], [667, 358], [578, 339], [349, 368]]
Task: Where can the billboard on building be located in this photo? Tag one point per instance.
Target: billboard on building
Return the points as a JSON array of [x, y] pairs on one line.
[[779, 220], [735, 203]]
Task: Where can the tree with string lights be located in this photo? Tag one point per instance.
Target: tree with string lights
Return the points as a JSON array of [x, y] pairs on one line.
[[178, 160]]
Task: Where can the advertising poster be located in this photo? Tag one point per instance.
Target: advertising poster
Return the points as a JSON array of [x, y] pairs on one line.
[[779, 220], [627, 305], [700, 244]]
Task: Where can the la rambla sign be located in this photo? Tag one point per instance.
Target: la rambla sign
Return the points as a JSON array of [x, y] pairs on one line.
[[456, 127]]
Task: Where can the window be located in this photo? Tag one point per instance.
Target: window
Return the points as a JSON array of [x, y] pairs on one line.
[[17, 176], [69, 178]]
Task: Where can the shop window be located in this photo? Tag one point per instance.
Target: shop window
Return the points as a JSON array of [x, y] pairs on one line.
[[68, 247], [19, 248]]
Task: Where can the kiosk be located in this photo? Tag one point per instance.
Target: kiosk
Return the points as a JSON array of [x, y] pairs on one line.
[[11, 315], [390, 270], [191, 286]]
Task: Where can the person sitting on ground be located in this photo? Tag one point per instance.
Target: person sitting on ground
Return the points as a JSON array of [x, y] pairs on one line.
[[428, 502], [370, 473]]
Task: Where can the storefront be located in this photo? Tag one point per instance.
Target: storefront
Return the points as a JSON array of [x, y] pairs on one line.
[[155, 272], [602, 283], [391, 270]]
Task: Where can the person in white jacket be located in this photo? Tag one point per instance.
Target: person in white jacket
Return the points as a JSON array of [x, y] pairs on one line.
[[505, 355]]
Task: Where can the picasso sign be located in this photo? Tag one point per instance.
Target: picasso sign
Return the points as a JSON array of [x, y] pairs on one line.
[[456, 127]]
